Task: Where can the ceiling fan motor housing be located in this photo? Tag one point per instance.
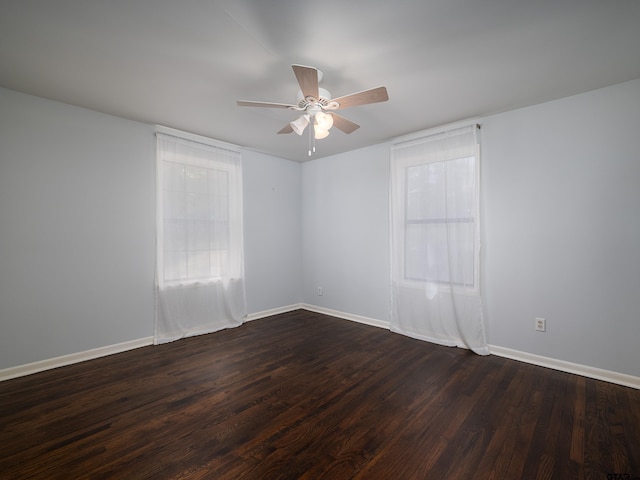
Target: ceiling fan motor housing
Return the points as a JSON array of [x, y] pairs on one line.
[[323, 101]]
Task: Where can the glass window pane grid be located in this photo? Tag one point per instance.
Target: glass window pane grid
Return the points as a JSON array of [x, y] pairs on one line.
[[196, 223], [432, 189]]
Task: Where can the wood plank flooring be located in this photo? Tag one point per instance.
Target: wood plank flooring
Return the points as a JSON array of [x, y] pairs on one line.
[[307, 396]]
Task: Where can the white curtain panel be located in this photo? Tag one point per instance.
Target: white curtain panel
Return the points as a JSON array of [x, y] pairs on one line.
[[199, 269], [435, 240]]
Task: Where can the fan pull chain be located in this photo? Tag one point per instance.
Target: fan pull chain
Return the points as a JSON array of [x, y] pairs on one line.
[[312, 140]]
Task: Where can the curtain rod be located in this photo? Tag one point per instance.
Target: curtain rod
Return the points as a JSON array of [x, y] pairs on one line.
[[434, 132]]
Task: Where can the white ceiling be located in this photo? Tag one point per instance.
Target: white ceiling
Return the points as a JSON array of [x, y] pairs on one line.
[[183, 64]]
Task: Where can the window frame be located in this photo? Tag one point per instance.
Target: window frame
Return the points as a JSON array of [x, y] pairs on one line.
[[402, 219], [234, 204]]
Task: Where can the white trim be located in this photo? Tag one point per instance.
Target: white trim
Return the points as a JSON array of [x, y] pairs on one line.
[[373, 322], [538, 360], [273, 311], [48, 364], [568, 367]]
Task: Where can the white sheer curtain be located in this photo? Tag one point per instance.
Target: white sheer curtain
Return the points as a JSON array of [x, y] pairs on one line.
[[435, 241], [199, 272]]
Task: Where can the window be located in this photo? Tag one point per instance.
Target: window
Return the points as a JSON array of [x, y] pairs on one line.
[[199, 270], [440, 215], [199, 220], [435, 247], [435, 210]]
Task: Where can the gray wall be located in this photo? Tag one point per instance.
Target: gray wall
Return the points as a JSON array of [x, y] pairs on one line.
[[76, 229], [561, 192], [345, 232], [561, 184], [561, 189], [272, 237]]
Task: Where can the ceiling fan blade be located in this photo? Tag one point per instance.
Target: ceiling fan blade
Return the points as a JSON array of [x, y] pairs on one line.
[[286, 129], [347, 126], [373, 95], [246, 103], [307, 79]]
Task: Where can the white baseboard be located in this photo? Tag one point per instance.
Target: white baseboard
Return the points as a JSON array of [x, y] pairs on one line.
[[273, 311], [561, 365], [48, 364], [347, 316], [569, 367]]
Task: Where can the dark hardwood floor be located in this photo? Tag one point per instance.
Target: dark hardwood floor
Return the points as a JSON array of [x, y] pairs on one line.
[[306, 396]]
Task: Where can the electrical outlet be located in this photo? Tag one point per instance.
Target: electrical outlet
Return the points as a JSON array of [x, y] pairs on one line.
[[541, 325], [319, 291]]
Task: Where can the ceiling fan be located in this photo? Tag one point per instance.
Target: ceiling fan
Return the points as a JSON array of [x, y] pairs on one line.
[[316, 106]]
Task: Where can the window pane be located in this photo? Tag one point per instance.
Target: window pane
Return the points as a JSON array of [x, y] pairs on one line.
[[426, 191], [175, 266], [219, 194], [439, 229], [425, 253], [219, 206], [175, 236], [197, 235], [434, 201], [219, 262], [219, 237], [174, 204], [196, 212], [197, 206], [462, 265], [440, 252], [173, 176], [219, 182], [196, 179], [421, 255], [460, 188], [198, 264]]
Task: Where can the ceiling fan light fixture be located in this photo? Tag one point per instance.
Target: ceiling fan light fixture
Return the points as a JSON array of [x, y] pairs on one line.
[[323, 120], [320, 133], [300, 123]]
